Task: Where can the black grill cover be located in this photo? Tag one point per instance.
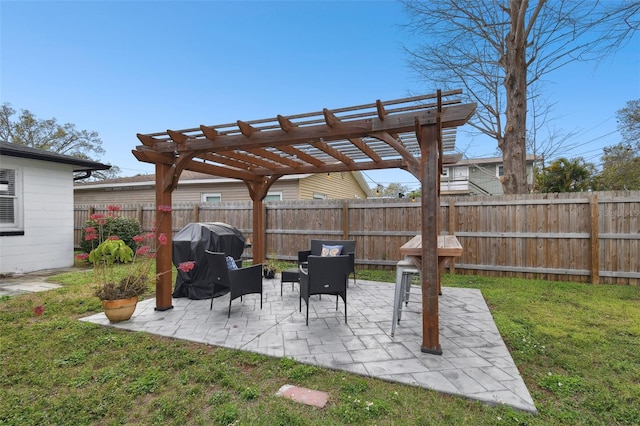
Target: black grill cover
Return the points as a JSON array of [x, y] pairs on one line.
[[190, 243]]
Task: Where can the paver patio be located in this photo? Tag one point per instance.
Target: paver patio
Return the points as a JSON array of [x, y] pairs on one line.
[[475, 363]]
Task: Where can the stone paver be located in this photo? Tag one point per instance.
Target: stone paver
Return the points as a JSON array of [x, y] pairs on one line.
[[304, 395], [475, 363], [32, 282]]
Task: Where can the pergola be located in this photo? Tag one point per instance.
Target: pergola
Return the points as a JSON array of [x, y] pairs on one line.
[[412, 133]]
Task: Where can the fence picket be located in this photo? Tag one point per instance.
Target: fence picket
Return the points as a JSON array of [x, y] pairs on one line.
[[569, 237]]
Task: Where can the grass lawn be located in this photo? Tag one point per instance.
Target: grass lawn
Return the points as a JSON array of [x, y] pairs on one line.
[[577, 347]]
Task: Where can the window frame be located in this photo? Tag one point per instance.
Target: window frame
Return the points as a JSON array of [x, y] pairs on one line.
[[17, 226], [272, 195], [319, 196], [205, 195]]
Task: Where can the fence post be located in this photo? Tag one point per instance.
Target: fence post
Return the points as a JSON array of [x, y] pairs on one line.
[[345, 220], [452, 230], [196, 213], [595, 241]]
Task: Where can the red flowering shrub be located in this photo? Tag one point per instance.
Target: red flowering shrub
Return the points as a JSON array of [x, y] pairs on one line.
[[100, 227], [108, 248]]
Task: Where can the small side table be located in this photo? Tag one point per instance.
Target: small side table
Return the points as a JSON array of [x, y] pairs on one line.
[[289, 276]]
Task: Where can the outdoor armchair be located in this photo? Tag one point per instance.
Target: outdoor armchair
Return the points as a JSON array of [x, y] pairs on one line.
[[240, 281], [324, 275], [348, 248]]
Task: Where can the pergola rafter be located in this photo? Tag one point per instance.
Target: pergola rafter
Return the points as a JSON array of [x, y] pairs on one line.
[[413, 133]]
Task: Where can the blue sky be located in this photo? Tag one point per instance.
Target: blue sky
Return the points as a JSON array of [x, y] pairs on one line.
[[127, 67]]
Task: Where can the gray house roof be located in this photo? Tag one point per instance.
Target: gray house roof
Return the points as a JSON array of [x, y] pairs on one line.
[[190, 177], [488, 160], [23, 151]]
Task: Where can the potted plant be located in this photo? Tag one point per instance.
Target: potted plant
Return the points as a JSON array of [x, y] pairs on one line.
[[270, 267], [119, 294], [118, 287]]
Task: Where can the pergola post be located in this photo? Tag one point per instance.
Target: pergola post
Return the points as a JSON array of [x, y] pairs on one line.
[[259, 232], [164, 233], [430, 204]]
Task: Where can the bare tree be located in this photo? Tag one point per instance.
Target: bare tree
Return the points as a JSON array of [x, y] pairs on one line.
[[48, 135], [498, 51]]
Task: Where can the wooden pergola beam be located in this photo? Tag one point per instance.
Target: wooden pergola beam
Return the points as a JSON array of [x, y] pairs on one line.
[[339, 167], [275, 157], [451, 117], [322, 146], [310, 159], [359, 143]]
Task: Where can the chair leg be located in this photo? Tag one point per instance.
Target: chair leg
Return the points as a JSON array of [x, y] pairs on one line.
[[404, 283], [345, 310], [307, 312], [211, 307], [229, 314], [397, 300]]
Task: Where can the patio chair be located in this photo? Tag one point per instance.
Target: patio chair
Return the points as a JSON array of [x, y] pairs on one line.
[[240, 281], [348, 248], [325, 275]]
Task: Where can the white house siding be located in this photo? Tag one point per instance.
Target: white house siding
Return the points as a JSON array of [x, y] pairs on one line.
[[48, 218], [485, 177]]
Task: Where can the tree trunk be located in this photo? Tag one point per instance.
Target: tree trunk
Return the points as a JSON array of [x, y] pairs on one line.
[[513, 145]]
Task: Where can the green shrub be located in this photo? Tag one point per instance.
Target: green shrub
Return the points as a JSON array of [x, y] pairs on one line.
[[125, 228]]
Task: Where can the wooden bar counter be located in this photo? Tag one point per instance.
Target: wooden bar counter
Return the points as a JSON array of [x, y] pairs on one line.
[[448, 248]]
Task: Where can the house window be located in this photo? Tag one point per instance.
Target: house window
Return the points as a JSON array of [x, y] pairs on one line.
[[319, 196], [211, 198], [10, 202], [445, 172], [499, 170], [273, 196]]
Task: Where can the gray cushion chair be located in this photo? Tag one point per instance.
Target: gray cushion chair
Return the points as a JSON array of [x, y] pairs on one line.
[[324, 275], [240, 282], [348, 248]]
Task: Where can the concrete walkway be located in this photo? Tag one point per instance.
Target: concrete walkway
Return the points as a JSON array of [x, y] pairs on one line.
[[31, 282], [475, 363]]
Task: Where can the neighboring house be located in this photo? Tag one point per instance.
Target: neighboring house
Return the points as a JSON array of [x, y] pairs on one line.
[[36, 207], [199, 187], [479, 176]]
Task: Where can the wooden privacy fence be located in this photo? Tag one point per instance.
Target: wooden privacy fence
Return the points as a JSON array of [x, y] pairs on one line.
[[584, 237]]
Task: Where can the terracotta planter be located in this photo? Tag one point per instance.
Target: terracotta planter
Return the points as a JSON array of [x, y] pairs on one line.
[[119, 309]]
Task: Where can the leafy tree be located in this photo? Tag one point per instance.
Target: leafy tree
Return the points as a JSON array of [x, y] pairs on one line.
[[565, 175], [621, 162], [48, 135], [621, 168], [629, 122], [392, 190], [499, 50]]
